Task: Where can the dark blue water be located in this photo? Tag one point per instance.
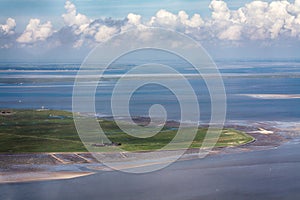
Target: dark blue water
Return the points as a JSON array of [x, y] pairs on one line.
[[51, 85]]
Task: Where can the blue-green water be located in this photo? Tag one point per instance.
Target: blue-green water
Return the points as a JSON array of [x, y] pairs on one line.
[[51, 85]]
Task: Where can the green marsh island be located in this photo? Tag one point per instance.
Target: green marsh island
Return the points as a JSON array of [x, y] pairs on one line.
[[43, 130]]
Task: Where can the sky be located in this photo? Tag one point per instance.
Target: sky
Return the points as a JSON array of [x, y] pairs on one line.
[[65, 31]]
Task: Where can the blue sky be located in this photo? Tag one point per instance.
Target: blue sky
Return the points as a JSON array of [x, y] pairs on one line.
[[38, 29]]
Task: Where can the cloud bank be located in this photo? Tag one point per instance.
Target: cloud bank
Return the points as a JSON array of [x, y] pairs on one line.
[[255, 21]]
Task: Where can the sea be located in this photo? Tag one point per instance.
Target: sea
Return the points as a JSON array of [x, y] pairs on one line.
[[256, 91]]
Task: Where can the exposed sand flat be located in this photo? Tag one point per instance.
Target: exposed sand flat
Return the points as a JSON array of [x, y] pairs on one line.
[[273, 96], [13, 177], [18, 169], [263, 131], [260, 175]]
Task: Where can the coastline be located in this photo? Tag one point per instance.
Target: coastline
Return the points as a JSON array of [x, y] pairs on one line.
[[29, 167]]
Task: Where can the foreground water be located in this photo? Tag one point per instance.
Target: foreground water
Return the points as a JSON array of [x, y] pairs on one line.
[[269, 174], [256, 90]]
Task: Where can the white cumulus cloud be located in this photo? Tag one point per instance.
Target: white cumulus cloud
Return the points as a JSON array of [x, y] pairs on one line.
[[180, 21], [194, 22], [35, 31], [134, 19], [72, 17], [257, 20], [7, 33], [9, 27], [104, 33]]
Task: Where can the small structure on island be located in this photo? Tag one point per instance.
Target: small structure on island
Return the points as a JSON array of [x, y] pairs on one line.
[[42, 109], [6, 112], [106, 144]]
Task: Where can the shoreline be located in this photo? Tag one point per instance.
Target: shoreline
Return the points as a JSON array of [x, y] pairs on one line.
[[68, 165], [38, 166]]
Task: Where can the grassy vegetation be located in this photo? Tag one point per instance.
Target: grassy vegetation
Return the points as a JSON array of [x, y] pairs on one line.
[[54, 131]]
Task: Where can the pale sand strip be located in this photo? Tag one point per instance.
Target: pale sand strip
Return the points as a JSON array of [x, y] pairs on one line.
[[263, 131], [273, 96], [13, 177]]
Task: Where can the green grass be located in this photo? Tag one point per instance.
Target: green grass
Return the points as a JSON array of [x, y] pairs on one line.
[[38, 131]]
